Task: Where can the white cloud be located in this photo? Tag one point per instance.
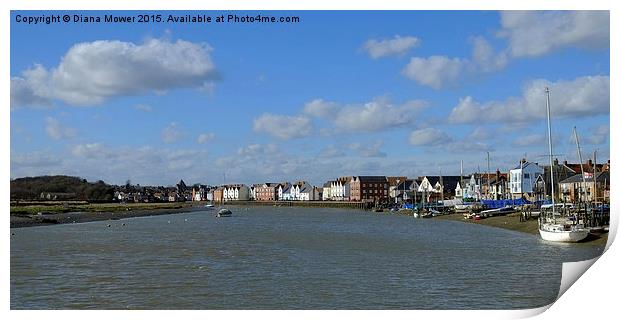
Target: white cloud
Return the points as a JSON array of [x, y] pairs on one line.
[[376, 115], [535, 33], [435, 71], [205, 137], [530, 140], [484, 57], [479, 133], [171, 133], [595, 135], [58, 131], [283, 127], [321, 108], [429, 137], [581, 97], [386, 47], [91, 72]]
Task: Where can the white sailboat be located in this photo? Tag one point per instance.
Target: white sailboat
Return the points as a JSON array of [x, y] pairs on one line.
[[550, 226]]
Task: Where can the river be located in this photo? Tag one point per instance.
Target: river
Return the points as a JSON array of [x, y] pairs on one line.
[[284, 258]]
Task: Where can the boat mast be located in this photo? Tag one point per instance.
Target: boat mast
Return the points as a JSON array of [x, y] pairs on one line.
[[594, 178], [488, 175], [583, 173], [461, 181], [550, 152]]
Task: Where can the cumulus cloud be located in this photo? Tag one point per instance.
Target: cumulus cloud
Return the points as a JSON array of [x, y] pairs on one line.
[[321, 108], [435, 71], [535, 33], [429, 137], [58, 131], [595, 135], [442, 71], [580, 97], [386, 47], [283, 127], [205, 137], [484, 57], [91, 72], [377, 115], [171, 133], [530, 140]]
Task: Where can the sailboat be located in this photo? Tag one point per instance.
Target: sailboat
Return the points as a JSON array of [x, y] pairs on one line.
[[550, 226]]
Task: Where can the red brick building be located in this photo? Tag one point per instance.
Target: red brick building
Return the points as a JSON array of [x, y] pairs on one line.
[[266, 192], [369, 188]]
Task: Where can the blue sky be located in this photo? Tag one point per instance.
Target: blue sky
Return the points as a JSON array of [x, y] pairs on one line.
[[339, 93]]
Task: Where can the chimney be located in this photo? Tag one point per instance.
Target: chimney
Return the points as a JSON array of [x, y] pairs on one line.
[[590, 162], [565, 162]]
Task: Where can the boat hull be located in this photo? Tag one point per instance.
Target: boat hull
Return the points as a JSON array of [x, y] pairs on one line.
[[563, 236]]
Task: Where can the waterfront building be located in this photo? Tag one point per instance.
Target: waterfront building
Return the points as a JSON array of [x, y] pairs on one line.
[[327, 191], [284, 191], [393, 182], [499, 186], [369, 188], [341, 189], [523, 178], [407, 191], [574, 190], [266, 191], [236, 192]]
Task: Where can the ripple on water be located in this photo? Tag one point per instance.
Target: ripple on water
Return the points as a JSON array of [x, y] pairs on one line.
[[283, 258]]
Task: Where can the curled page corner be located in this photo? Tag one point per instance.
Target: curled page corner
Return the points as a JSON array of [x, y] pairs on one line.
[[571, 271]]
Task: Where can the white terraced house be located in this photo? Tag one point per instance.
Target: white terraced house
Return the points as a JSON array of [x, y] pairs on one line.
[[236, 192]]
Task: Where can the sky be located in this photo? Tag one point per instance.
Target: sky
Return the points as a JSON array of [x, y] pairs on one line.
[[338, 93]]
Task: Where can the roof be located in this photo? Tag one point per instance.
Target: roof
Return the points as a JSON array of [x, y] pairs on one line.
[[600, 176], [449, 182], [525, 165], [407, 184], [371, 178]]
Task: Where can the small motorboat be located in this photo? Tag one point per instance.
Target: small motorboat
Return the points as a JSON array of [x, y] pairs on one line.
[[224, 213]]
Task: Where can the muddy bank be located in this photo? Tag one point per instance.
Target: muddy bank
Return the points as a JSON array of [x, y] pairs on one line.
[[18, 221], [511, 222]]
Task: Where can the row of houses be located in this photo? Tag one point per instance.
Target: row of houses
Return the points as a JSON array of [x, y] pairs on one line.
[[529, 180]]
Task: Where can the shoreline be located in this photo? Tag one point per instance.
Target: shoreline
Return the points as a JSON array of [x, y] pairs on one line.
[[511, 222], [122, 211]]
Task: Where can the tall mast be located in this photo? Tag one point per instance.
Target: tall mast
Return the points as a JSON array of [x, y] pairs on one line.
[[583, 173], [594, 178], [461, 181], [488, 175], [441, 184], [550, 152]]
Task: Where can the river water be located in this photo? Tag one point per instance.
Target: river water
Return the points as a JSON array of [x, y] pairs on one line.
[[284, 258]]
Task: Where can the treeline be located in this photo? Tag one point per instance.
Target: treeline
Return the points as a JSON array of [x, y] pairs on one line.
[[61, 187]]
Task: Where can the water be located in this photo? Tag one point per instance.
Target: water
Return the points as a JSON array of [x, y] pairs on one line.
[[284, 258]]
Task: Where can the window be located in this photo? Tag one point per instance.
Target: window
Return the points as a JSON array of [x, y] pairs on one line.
[[526, 175]]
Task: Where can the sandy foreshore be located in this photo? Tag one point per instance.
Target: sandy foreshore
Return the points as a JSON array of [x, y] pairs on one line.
[[511, 222]]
